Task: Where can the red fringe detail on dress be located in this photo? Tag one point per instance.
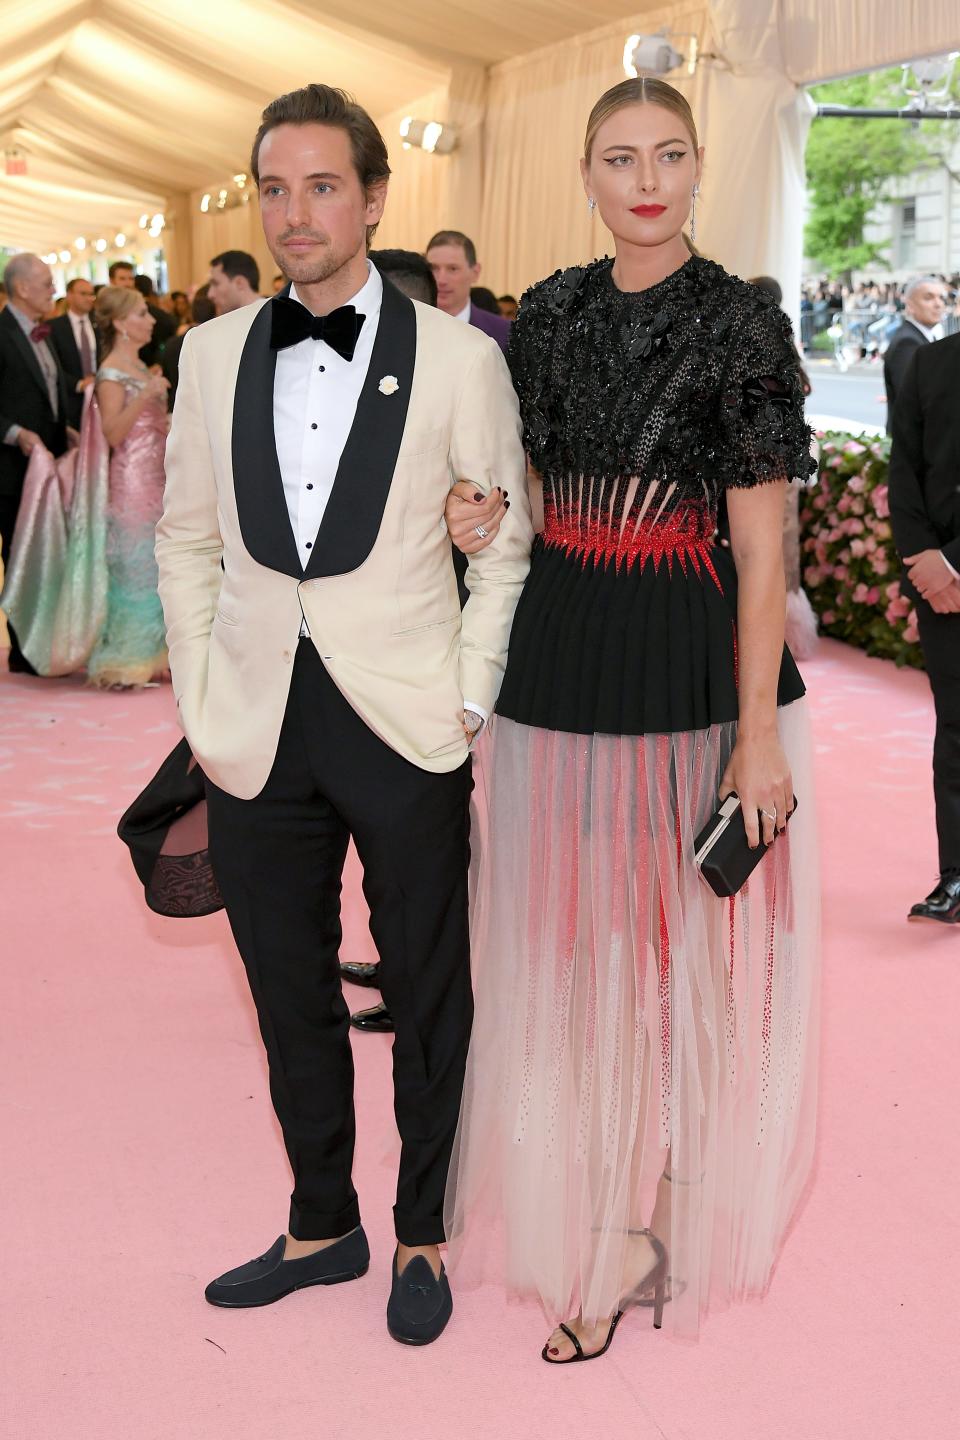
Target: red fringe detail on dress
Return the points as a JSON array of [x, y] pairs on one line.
[[687, 534]]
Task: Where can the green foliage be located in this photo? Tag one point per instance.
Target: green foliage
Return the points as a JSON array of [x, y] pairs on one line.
[[851, 569], [849, 165]]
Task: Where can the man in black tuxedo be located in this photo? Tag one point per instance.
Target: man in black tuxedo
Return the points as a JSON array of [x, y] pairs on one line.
[[925, 513], [74, 342], [33, 396], [925, 301]]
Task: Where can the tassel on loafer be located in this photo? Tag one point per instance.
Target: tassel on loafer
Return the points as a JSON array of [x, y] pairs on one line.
[[269, 1277], [420, 1304]]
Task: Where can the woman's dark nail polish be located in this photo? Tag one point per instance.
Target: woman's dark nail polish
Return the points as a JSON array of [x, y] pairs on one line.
[[506, 504], [478, 497]]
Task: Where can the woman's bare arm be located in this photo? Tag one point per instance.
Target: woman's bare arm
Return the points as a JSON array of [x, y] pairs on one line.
[[758, 769]]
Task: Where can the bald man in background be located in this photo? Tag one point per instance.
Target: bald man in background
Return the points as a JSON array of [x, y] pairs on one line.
[[925, 303]]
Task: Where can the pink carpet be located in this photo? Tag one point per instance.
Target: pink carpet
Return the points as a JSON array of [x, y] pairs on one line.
[[140, 1156]]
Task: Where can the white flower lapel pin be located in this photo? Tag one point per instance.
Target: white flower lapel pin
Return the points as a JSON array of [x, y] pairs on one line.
[[389, 385]]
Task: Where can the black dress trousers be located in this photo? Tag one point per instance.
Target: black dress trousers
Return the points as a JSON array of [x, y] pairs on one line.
[[278, 860], [940, 642]]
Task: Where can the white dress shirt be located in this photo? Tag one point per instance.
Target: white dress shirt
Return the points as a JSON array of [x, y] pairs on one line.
[[315, 397], [929, 332], [465, 313]]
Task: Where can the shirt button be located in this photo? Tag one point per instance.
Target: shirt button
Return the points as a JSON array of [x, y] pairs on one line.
[[309, 484], [322, 369], [309, 544], [313, 425]]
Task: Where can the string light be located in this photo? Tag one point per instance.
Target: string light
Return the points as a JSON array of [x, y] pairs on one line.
[[429, 135], [226, 197]]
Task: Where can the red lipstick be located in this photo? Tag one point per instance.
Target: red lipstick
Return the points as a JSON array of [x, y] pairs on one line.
[[648, 212]]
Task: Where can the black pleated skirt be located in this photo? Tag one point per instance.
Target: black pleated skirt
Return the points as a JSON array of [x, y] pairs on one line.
[[628, 649]]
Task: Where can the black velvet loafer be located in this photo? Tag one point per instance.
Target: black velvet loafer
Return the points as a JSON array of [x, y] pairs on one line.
[[941, 904], [270, 1277], [420, 1305], [358, 972], [376, 1021]]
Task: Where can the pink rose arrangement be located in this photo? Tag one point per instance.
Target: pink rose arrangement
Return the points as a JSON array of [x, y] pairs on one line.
[[850, 566]]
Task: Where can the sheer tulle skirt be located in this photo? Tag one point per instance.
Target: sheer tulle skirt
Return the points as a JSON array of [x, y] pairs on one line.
[[628, 1022]]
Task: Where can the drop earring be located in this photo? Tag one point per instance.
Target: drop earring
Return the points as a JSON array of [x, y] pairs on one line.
[[591, 204], [693, 215]]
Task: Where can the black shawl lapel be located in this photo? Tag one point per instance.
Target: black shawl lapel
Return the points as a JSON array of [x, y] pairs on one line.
[[258, 485], [354, 513], [27, 351]]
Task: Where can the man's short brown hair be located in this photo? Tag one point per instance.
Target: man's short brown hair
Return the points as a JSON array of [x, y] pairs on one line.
[[455, 237], [326, 105]]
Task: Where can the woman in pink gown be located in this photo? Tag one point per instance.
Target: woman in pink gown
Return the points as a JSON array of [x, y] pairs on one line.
[[132, 405]]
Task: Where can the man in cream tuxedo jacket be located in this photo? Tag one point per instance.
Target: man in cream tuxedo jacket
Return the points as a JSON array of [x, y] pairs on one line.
[[326, 680]]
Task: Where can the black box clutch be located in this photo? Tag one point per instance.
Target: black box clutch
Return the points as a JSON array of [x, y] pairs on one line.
[[723, 856]]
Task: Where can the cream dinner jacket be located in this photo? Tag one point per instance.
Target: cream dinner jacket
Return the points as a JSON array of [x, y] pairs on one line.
[[379, 594]]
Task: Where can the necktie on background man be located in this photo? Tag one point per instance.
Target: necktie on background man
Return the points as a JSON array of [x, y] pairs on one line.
[[47, 364], [86, 352]]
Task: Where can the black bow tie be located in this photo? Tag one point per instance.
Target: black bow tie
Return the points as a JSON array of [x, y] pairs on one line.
[[292, 322]]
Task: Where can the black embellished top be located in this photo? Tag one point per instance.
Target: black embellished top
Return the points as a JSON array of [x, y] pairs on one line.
[[639, 410]]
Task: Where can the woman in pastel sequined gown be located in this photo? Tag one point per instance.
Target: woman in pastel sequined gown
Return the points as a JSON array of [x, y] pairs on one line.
[[131, 649], [638, 1117]]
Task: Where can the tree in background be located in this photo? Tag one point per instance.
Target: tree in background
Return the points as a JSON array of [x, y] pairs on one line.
[[849, 166]]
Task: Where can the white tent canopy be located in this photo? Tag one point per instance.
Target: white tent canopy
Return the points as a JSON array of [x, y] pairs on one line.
[[131, 107]]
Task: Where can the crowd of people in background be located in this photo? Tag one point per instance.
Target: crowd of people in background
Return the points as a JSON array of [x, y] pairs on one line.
[[866, 313]]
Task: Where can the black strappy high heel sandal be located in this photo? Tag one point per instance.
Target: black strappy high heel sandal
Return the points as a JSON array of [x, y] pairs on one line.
[[655, 1280]]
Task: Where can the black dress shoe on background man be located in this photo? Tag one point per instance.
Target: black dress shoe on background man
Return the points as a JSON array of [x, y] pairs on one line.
[[941, 904], [420, 1305], [270, 1277], [358, 972], [376, 1021]]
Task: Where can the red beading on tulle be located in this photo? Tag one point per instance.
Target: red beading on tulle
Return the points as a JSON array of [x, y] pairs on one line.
[[597, 534]]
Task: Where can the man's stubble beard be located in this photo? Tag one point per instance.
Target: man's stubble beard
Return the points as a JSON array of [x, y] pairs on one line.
[[306, 270]]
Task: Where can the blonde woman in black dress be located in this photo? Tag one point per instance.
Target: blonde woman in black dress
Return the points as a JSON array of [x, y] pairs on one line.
[[638, 1119]]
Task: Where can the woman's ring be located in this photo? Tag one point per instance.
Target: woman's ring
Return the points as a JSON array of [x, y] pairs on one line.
[[484, 534], [769, 816]]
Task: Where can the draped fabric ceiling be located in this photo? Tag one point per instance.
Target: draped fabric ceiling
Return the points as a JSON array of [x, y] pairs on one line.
[[125, 107]]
